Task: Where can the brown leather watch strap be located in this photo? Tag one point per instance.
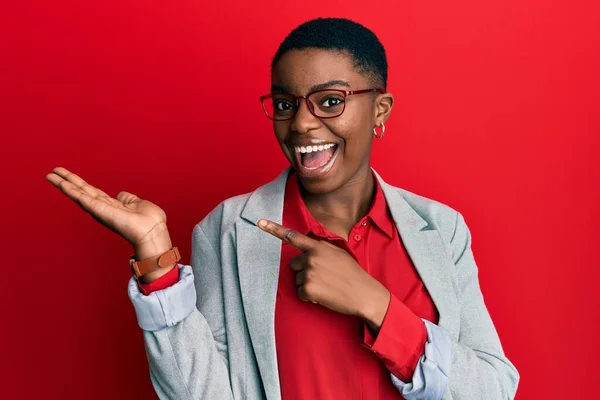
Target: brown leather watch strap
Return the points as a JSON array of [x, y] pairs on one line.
[[147, 265]]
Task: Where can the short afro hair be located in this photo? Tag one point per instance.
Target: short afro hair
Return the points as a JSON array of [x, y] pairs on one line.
[[340, 34]]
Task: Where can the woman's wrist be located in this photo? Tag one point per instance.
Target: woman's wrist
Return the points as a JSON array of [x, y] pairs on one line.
[[375, 308], [154, 275], [153, 248]]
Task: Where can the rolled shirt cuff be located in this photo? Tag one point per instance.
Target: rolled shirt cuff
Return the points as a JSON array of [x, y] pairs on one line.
[[167, 307], [432, 373], [168, 279]]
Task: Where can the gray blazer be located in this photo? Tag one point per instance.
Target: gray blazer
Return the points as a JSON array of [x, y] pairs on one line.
[[211, 335]]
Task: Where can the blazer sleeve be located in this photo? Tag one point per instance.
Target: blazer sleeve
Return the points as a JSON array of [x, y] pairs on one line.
[[474, 367], [184, 329]]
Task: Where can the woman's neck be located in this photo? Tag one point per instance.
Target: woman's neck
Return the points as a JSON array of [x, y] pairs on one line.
[[341, 209]]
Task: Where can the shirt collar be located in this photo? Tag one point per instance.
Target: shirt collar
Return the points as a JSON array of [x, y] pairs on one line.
[[300, 219], [379, 212]]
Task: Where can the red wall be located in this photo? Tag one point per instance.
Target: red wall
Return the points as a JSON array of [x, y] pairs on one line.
[[496, 115]]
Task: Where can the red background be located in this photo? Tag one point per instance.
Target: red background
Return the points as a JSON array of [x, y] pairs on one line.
[[496, 115]]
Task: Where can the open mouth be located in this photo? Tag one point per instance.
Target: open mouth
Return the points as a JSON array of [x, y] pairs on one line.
[[317, 158]]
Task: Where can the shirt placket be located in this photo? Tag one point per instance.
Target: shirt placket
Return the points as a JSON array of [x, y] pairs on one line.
[[357, 242]]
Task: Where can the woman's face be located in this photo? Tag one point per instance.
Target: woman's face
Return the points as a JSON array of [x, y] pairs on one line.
[[346, 139]]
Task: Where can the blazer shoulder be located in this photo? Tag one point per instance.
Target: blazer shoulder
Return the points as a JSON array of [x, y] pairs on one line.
[[222, 218], [438, 215]]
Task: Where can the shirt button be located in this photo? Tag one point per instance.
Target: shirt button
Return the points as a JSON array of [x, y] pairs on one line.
[[357, 237], [364, 223]]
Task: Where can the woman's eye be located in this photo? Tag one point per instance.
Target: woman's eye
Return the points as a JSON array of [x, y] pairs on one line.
[[282, 106], [331, 101]]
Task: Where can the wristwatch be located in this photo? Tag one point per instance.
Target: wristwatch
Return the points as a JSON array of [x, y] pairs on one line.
[[147, 265]]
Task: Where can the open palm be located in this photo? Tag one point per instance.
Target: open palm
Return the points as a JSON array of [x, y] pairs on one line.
[[135, 219]]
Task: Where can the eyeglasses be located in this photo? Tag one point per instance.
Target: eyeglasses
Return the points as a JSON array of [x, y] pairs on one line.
[[327, 103]]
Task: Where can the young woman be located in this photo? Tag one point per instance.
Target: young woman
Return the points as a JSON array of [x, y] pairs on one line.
[[326, 283]]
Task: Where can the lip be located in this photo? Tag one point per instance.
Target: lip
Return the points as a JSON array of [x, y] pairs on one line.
[[313, 173]]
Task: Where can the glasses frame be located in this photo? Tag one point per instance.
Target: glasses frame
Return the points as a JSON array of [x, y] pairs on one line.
[[309, 105]]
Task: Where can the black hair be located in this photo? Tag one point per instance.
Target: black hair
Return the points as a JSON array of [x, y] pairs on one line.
[[342, 35]]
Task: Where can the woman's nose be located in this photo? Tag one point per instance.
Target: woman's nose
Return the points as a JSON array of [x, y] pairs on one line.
[[304, 120]]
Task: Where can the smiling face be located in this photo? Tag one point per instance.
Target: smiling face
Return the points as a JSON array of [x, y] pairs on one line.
[[343, 144]]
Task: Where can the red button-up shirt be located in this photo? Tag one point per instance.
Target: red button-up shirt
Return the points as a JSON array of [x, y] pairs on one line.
[[325, 355]]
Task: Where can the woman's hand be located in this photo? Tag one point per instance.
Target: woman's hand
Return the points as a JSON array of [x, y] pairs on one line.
[[140, 222], [328, 275]]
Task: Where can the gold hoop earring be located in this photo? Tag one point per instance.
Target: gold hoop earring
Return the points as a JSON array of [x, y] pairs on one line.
[[379, 136]]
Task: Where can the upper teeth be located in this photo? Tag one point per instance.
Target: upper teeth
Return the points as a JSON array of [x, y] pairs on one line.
[[310, 149]]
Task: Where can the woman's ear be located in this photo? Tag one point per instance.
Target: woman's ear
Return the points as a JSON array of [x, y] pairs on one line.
[[383, 108]]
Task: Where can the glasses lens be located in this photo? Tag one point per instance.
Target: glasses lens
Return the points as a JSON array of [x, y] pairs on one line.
[[280, 106], [328, 103]]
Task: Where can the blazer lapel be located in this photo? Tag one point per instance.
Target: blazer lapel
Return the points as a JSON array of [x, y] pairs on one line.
[[259, 256], [429, 255]]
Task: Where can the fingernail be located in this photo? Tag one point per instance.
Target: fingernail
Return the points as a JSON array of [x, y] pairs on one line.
[[262, 223]]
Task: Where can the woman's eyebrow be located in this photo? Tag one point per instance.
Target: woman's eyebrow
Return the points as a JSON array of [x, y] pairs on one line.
[[326, 85]]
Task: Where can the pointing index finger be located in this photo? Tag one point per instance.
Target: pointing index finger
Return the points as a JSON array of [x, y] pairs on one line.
[[296, 239]]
